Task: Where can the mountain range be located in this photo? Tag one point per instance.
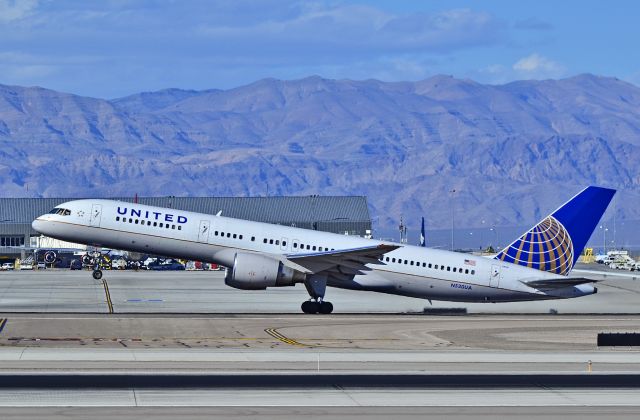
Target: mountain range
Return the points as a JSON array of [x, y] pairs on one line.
[[496, 154]]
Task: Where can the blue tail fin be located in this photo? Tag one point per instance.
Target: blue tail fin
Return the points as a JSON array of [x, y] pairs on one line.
[[556, 242]]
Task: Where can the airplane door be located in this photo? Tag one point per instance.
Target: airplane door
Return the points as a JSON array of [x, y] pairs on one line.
[[203, 232], [494, 281], [283, 244], [96, 215]]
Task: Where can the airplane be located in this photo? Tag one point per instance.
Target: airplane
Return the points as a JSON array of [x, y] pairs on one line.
[[535, 266]]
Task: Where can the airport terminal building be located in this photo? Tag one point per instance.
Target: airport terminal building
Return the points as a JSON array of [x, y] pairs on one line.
[[343, 215]]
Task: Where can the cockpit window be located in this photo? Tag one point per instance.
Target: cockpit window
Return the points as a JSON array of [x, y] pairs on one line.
[[60, 211]]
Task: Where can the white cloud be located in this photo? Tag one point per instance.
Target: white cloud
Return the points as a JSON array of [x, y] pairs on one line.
[[11, 10], [343, 29], [538, 66]]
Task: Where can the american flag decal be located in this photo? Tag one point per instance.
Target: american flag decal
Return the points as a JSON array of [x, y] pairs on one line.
[[470, 262]]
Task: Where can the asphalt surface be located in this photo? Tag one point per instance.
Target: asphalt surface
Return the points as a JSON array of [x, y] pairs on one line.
[[205, 292], [183, 344]]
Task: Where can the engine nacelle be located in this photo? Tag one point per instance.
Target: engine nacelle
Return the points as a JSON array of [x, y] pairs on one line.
[[257, 272]]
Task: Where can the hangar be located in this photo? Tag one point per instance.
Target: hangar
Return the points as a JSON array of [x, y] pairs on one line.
[[337, 214]]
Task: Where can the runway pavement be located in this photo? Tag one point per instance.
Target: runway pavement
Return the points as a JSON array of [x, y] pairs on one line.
[[184, 344], [205, 292]]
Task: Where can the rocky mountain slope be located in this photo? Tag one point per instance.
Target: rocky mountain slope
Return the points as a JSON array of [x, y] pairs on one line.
[[512, 152]]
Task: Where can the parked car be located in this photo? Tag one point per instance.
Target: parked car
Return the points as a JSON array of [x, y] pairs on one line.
[[166, 265], [7, 266], [118, 264]]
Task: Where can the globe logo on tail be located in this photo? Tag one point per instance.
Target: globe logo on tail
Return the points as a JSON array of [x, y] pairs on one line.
[[546, 247]]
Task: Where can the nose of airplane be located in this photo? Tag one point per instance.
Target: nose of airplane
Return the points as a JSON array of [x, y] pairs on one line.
[[38, 225]]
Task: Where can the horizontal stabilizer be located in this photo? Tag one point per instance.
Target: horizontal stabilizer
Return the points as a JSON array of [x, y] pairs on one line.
[[558, 283]]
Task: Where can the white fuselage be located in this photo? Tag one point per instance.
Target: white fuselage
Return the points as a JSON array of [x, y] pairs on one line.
[[409, 270]]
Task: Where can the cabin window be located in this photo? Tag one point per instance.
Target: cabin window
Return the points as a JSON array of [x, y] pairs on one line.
[[454, 269], [240, 237], [167, 226], [448, 268], [161, 224], [406, 262], [284, 243], [235, 236], [308, 246], [136, 222], [393, 260], [411, 262], [148, 222], [473, 272], [277, 242], [117, 218], [173, 226], [442, 267], [155, 224], [264, 240], [270, 241], [466, 271], [295, 244], [253, 239], [179, 227], [387, 259], [314, 248], [430, 265]]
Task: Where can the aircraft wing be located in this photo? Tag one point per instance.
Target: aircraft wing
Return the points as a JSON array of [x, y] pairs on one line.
[[341, 263]]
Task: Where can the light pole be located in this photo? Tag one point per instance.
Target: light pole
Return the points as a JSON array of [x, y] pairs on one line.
[[495, 243], [604, 238], [453, 216]]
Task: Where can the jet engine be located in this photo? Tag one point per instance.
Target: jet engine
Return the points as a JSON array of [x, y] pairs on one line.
[[257, 272]]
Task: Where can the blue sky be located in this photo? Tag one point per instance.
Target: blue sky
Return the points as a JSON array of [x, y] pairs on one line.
[[113, 48]]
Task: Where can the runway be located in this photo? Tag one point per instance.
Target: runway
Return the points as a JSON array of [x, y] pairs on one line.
[[183, 344], [204, 292]]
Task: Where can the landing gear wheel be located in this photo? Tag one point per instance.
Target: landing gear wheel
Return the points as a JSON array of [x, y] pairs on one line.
[[326, 308], [310, 307], [97, 274]]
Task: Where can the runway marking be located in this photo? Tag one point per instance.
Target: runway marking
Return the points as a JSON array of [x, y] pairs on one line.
[[108, 295], [3, 322], [273, 332]]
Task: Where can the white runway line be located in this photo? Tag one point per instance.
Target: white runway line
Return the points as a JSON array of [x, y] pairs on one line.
[[318, 398]]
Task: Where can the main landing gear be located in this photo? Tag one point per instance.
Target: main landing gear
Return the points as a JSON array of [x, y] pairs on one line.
[[315, 307], [316, 286], [97, 274]]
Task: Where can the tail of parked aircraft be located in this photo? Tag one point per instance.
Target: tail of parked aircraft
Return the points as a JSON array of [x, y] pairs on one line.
[[555, 243]]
